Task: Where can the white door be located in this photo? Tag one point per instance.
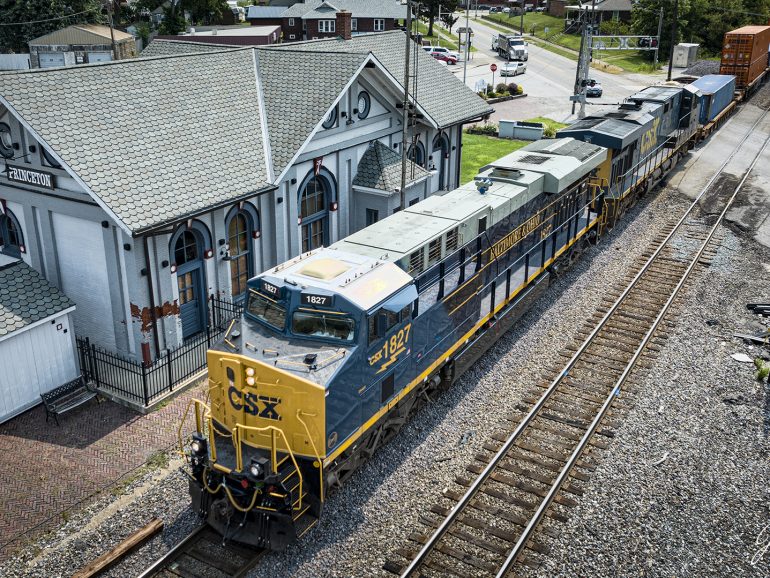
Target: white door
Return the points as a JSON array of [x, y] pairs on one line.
[[99, 57], [33, 362], [51, 59]]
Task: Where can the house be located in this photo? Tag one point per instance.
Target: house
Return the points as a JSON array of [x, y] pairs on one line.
[[149, 186], [265, 15], [81, 44], [231, 35], [317, 18]]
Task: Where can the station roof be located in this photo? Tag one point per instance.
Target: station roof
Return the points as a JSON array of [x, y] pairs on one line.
[[26, 297]]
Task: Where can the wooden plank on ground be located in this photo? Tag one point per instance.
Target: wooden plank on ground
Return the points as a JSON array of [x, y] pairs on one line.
[[109, 558]]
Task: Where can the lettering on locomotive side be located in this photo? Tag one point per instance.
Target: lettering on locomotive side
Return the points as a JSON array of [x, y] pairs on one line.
[[649, 138], [250, 403], [516, 235], [391, 349]]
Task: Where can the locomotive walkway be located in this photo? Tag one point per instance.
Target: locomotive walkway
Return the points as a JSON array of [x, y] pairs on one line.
[[47, 470]]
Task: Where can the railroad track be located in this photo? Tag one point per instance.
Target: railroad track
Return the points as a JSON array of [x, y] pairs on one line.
[[526, 478], [202, 554]]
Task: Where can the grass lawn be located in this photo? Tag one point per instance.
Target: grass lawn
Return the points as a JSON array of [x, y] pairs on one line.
[[547, 123], [441, 37], [479, 150]]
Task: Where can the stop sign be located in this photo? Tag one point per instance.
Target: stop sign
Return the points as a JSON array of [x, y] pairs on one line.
[[493, 67]]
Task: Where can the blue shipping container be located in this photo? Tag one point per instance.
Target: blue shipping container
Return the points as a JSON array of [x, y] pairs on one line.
[[716, 93]]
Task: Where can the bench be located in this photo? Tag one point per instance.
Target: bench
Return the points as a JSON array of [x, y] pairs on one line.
[[67, 397]]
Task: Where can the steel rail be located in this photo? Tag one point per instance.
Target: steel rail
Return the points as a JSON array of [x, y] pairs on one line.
[[458, 508], [161, 562], [535, 520]]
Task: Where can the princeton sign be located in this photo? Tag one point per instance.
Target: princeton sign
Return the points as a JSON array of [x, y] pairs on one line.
[[30, 177]]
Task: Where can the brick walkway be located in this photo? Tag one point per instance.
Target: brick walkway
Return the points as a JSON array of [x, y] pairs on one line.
[[46, 470]]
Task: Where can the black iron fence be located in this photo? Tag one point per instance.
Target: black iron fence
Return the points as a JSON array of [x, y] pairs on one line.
[[143, 383]]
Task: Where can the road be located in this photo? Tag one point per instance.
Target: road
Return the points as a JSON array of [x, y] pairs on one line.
[[548, 81]]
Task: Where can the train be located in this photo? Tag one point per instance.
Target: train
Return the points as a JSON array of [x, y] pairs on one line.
[[338, 347]]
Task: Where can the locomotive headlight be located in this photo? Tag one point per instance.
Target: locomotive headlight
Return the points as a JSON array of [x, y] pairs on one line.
[[198, 445], [255, 469], [250, 381], [250, 371]]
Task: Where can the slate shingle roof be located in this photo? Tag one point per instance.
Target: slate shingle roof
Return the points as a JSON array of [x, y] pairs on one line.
[[292, 111], [380, 168], [26, 297], [155, 140], [357, 8], [443, 96], [176, 47]]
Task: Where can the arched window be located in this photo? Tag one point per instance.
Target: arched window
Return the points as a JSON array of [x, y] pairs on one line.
[[186, 248], [440, 156], [240, 224], [11, 238], [314, 197], [417, 154]]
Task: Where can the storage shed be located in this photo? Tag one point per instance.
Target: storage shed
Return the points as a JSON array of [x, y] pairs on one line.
[[37, 344]]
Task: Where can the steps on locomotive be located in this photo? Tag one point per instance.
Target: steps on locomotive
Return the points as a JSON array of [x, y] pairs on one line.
[[303, 513]]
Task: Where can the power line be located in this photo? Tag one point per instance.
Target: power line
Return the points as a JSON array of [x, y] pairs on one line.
[[46, 20]]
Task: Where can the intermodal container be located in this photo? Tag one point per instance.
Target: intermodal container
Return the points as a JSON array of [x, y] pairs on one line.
[[745, 53], [716, 93]]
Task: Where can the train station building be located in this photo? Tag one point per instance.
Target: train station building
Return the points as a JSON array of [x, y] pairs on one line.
[[142, 189]]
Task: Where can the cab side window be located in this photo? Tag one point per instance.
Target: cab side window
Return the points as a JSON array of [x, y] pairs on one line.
[[382, 321]]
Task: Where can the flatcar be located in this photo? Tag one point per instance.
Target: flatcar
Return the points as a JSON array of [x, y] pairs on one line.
[[337, 347]]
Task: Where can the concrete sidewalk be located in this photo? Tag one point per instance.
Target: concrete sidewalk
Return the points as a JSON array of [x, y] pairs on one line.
[[47, 469]]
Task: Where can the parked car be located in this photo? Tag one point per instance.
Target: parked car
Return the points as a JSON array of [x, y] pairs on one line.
[[506, 10], [442, 50], [513, 68], [593, 88], [540, 9], [648, 42], [483, 7], [447, 58], [494, 9]]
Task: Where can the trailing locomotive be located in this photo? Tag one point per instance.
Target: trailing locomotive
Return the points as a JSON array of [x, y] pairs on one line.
[[337, 346]]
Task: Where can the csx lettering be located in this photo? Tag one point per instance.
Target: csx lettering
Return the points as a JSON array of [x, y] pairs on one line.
[[650, 137], [250, 403]]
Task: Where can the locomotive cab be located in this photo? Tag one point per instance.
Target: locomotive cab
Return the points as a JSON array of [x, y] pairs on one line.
[[289, 383]]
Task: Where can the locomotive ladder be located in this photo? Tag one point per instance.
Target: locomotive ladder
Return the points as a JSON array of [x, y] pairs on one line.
[[540, 465]]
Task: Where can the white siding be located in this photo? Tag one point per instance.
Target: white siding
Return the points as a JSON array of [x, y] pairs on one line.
[[84, 277], [34, 361]]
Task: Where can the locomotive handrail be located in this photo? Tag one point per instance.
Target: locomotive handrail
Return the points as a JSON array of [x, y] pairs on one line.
[[198, 422], [273, 450], [514, 436], [315, 450]]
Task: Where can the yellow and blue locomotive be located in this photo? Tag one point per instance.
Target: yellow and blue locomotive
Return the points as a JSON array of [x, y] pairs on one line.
[[336, 347]]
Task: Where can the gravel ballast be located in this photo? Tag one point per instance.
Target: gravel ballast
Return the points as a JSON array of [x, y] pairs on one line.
[[695, 513]]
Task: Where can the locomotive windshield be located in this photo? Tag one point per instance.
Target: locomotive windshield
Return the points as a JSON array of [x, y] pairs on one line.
[[266, 310], [320, 324]]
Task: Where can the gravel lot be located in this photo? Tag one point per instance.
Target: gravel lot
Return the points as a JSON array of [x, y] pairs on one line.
[[698, 512]]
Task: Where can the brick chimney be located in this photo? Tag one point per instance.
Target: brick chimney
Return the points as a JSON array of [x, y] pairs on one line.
[[344, 24]]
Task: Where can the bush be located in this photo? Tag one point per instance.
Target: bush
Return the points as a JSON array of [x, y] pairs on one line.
[[486, 128], [490, 90], [513, 88], [549, 131], [501, 88], [519, 90]]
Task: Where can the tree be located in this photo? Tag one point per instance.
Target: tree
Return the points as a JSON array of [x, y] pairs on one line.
[[205, 11], [449, 20], [57, 14], [429, 9]]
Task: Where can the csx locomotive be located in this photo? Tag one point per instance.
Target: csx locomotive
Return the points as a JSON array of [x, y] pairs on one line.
[[336, 347]]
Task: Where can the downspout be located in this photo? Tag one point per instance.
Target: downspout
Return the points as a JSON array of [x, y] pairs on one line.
[[156, 340], [459, 157]]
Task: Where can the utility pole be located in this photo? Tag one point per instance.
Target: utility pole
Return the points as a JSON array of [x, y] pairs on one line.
[[673, 38], [405, 116], [467, 36], [584, 63], [521, 26], [660, 29], [112, 30]]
